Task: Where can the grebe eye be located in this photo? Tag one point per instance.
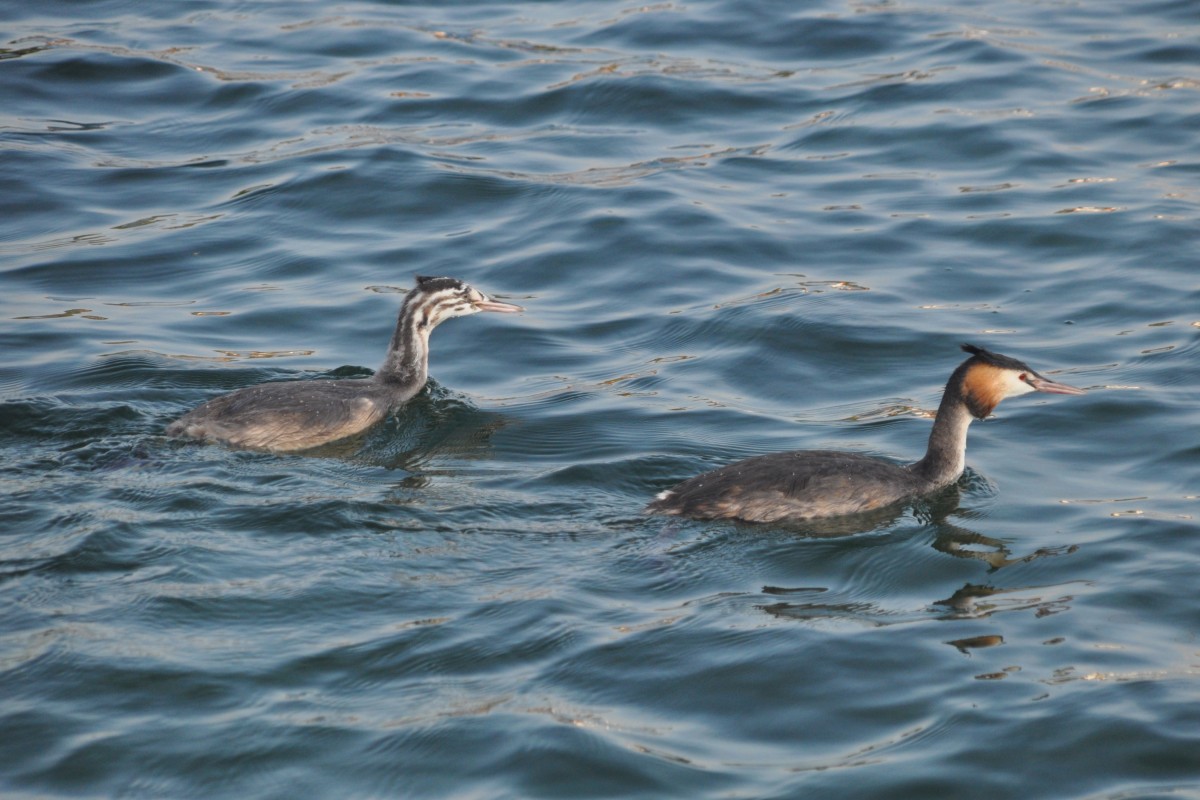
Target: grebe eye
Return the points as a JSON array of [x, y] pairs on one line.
[[1023, 377]]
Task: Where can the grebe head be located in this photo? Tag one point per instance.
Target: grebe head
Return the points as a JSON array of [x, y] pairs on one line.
[[987, 378], [435, 300]]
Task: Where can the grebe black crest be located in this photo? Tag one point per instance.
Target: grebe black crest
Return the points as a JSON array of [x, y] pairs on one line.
[[297, 415], [816, 484]]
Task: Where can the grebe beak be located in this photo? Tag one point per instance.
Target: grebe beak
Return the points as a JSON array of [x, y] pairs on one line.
[[488, 304], [1050, 387]]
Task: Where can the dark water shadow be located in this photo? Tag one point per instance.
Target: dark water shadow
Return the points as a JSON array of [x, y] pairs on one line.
[[937, 514], [439, 423], [933, 512]]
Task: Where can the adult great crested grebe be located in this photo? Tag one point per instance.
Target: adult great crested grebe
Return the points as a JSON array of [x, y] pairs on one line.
[[816, 484], [287, 416]]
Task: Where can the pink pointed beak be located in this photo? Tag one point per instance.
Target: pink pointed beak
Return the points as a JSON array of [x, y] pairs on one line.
[[489, 304], [1051, 387]]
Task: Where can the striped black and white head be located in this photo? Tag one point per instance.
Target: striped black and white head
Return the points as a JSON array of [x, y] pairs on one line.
[[986, 378], [434, 300]]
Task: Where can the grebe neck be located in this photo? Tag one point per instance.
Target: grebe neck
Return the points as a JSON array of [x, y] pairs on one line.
[[406, 366], [946, 456]]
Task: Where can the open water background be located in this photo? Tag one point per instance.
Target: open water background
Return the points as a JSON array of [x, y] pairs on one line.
[[737, 227]]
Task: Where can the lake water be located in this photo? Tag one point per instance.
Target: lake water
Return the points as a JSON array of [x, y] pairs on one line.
[[737, 227]]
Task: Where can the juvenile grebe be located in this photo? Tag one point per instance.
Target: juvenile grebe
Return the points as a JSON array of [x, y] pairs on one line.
[[815, 484], [296, 415]]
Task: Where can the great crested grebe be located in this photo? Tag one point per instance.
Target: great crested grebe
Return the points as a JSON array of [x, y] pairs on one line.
[[816, 484], [295, 415]]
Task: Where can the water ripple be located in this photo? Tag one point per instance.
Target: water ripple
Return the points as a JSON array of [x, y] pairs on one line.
[[737, 228]]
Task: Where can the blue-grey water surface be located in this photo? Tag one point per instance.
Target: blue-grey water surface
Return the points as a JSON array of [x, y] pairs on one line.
[[737, 227]]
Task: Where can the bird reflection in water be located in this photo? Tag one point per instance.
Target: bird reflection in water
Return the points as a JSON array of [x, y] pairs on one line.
[[970, 601]]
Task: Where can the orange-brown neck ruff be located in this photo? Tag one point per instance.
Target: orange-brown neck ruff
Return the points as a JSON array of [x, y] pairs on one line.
[[983, 387]]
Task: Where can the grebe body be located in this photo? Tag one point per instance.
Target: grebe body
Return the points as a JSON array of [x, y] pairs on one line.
[[288, 416], [817, 484]]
